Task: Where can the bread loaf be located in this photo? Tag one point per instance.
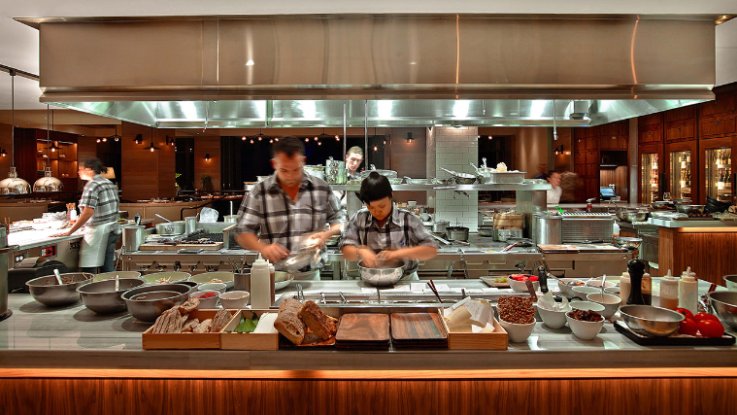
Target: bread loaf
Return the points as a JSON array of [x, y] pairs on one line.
[[288, 322], [322, 325]]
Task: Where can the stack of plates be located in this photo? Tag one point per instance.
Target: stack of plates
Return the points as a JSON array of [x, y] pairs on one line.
[[418, 330], [363, 332]]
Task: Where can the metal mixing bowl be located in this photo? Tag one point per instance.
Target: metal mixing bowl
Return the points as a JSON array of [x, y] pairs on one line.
[[724, 304], [651, 321], [46, 291], [386, 275], [102, 298], [688, 209], [159, 299]]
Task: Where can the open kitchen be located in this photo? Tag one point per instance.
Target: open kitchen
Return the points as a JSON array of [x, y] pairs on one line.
[[370, 212]]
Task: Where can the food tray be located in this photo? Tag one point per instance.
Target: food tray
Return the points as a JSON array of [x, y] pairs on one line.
[[675, 340], [183, 341], [497, 340], [248, 341], [490, 282]]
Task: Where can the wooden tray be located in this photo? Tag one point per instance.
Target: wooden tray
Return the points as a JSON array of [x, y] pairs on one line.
[[178, 341], [497, 340], [675, 340], [363, 327], [248, 341], [417, 327], [153, 246]]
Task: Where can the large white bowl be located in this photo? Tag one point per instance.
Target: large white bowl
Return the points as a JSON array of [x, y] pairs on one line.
[[610, 302], [225, 277], [521, 286], [584, 330], [597, 284], [235, 299], [282, 279], [167, 277], [582, 292], [552, 318], [518, 333], [567, 290], [587, 305], [213, 286]]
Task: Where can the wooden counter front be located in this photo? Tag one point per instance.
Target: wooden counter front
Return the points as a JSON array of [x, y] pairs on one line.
[[710, 252]]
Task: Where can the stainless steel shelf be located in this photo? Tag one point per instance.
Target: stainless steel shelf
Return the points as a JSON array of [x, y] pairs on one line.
[[457, 187]]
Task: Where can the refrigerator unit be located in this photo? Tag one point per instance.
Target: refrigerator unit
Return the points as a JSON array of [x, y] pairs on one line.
[[681, 164], [718, 158], [650, 176]]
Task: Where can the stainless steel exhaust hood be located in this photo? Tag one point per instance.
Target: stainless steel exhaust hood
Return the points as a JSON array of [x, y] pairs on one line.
[[412, 69]]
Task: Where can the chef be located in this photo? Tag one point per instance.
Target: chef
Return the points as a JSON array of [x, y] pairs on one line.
[[353, 160], [382, 233], [99, 205], [279, 212], [553, 194]]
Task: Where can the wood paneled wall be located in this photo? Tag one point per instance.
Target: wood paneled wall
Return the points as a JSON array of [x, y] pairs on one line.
[[203, 146], [710, 252], [619, 178], [146, 174]]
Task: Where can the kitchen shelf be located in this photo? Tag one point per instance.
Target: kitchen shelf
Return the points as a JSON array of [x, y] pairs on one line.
[[457, 187]]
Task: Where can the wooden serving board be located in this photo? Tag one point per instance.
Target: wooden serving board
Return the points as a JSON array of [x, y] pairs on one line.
[[363, 327], [418, 327], [153, 246]]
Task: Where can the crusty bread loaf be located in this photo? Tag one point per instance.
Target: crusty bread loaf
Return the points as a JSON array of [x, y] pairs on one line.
[[222, 317], [322, 325], [288, 322]]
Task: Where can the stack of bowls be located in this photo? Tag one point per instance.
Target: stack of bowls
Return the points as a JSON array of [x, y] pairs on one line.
[[149, 302], [102, 297]]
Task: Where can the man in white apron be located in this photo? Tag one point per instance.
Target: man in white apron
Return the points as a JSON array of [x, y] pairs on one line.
[[99, 204]]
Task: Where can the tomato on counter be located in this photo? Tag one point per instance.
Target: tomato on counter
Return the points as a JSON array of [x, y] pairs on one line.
[[686, 312], [523, 277], [689, 326], [710, 328], [705, 316]]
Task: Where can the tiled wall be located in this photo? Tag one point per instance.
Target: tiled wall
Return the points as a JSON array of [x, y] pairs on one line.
[[455, 149]]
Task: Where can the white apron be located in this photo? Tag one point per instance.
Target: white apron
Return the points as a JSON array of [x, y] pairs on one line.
[[94, 244]]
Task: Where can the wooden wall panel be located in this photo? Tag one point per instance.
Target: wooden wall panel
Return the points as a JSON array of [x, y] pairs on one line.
[[710, 253], [297, 397], [202, 146], [146, 174]]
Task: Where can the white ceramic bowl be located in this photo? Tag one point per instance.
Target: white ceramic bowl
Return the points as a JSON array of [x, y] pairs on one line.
[[610, 302], [587, 306], [521, 286], [282, 279], [567, 290], [235, 299], [208, 302], [584, 330], [225, 277], [612, 290], [518, 333], [166, 277], [597, 284], [212, 286], [582, 292], [552, 318]]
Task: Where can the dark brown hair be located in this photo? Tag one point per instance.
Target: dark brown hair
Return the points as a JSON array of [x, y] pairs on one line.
[[288, 146], [96, 165]]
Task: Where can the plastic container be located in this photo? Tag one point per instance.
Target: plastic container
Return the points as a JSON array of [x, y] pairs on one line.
[[260, 284], [669, 292], [625, 286], [688, 291]]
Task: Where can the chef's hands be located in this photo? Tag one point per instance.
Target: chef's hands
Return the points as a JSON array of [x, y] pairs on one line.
[[317, 239], [61, 235], [368, 257], [388, 256], [274, 252]]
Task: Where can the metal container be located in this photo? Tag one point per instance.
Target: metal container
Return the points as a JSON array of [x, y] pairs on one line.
[[120, 274], [315, 170], [381, 277], [170, 228], [335, 172], [46, 291], [133, 237], [389, 174], [508, 177], [690, 209], [440, 226], [651, 321], [724, 304], [148, 303], [457, 233], [102, 298], [547, 228], [190, 224], [586, 226]]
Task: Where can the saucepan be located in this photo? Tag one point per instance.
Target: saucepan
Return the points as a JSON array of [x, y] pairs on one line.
[[461, 178]]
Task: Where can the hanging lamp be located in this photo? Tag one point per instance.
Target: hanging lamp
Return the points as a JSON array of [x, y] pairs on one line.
[[13, 185], [47, 183]]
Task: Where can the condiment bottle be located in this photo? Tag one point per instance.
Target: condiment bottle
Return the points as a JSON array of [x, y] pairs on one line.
[[260, 281], [647, 288], [688, 291], [625, 287], [669, 292], [636, 269]]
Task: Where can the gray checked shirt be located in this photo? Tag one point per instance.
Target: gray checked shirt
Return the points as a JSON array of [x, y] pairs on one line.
[[101, 195], [275, 218], [403, 230]]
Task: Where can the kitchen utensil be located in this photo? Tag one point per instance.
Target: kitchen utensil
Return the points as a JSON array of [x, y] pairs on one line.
[[439, 239], [389, 174], [190, 224], [651, 321], [149, 302], [461, 178], [235, 299], [170, 228], [225, 277], [724, 304], [726, 340], [363, 330], [166, 277], [425, 330], [554, 319], [103, 297], [440, 226], [434, 290], [58, 277], [47, 290], [208, 299], [610, 302], [547, 228], [507, 177], [133, 237], [457, 233], [386, 275], [163, 218], [518, 333]]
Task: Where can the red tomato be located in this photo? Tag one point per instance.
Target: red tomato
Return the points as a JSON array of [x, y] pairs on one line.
[[711, 328], [686, 312], [688, 326], [705, 316], [533, 278]]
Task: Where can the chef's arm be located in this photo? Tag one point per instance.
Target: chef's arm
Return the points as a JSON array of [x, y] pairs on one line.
[[356, 253], [420, 253], [249, 241], [86, 214]]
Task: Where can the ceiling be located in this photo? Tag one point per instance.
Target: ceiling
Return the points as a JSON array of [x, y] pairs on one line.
[[19, 46]]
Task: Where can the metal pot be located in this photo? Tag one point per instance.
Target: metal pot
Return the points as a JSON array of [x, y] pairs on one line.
[[547, 228], [172, 228], [387, 275], [457, 233], [690, 209], [440, 226]]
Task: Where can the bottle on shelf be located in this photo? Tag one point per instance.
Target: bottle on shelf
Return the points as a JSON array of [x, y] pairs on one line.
[[260, 281], [647, 288], [669, 291], [688, 290]]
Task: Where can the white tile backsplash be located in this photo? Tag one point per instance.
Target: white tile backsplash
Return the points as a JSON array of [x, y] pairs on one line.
[[455, 149]]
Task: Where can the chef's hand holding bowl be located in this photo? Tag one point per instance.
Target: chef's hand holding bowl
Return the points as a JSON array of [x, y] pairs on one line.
[[274, 252]]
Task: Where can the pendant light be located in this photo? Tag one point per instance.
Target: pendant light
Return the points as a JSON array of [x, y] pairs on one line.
[[13, 185], [555, 127], [152, 147], [47, 183]]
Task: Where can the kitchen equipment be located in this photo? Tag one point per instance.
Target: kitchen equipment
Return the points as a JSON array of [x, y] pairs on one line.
[[506, 177], [546, 228], [637, 216], [724, 304], [518, 333], [610, 302], [395, 180], [386, 275], [363, 331], [486, 231], [190, 224], [149, 302], [409, 180], [161, 217], [725, 340], [235, 299], [690, 209], [46, 291], [335, 172], [461, 178], [315, 170], [170, 228], [166, 277], [632, 244], [651, 321], [586, 226], [440, 226], [133, 237], [225, 277], [103, 297], [623, 214], [457, 233], [584, 330]]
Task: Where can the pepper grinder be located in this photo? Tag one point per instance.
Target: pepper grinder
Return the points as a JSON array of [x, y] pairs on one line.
[[636, 269]]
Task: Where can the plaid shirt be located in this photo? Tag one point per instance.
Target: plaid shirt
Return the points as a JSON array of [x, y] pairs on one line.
[[269, 213], [101, 195], [402, 230]]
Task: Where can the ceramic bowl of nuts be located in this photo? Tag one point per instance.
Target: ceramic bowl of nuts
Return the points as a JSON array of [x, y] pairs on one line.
[[585, 324], [517, 316]]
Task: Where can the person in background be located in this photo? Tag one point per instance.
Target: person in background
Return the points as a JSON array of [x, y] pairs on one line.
[[553, 177], [289, 205], [99, 204], [353, 160], [382, 233]]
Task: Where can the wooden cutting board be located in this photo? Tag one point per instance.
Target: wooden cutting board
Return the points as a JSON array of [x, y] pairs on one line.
[[363, 327], [417, 327]]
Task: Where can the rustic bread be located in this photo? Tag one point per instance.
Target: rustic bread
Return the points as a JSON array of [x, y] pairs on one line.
[[288, 322], [221, 318], [322, 325]]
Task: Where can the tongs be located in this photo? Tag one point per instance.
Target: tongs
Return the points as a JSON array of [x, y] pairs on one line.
[[434, 290]]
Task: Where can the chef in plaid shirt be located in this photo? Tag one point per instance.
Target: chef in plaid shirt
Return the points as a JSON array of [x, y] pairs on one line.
[[384, 234], [279, 212]]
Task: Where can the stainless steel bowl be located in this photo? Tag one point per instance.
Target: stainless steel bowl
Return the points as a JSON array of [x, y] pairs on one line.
[[651, 321], [170, 228], [687, 209], [155, 300], [384, 276], [724, 304], [457, 233], [102, 298], [628, 242], [636, 216], [46, 291]]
